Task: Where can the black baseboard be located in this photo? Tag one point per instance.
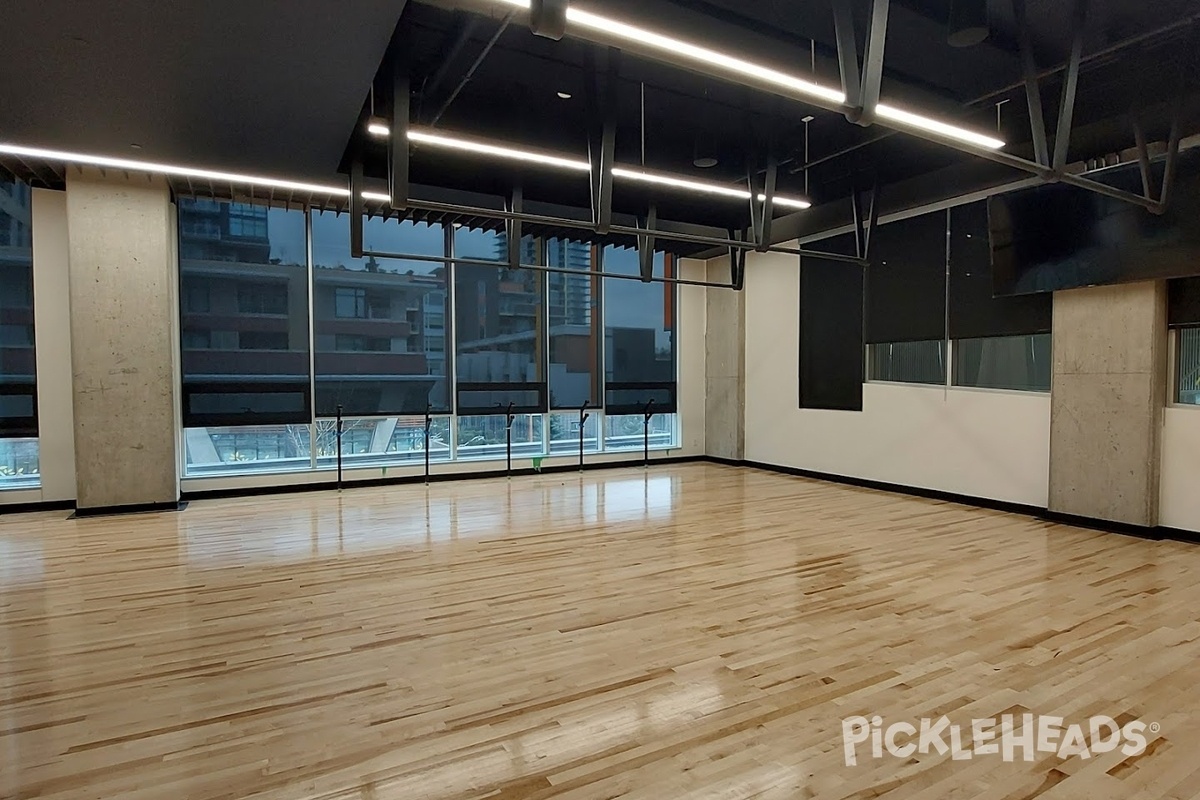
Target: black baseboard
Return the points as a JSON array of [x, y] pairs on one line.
[[136, 508], [47, 505], [1156, 533], [325, 486]]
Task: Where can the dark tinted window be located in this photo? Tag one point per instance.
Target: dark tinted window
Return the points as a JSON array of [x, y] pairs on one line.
[[18, 394], [244, 291], [380, 323]]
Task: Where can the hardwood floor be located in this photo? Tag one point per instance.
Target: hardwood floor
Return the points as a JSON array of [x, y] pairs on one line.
[[693, 631]]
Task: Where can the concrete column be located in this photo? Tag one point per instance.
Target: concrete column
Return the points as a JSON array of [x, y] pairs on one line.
[[123, 342], [1108, 393], [725, 363]]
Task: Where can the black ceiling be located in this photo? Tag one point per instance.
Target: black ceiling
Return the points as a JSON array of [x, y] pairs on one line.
[[267, 86], [281, 87]]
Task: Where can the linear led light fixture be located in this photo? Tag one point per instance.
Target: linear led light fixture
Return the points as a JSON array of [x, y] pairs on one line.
[[83, 159], [548, 159], [130, 165], [702, 187], [678, 49], [500, 151]]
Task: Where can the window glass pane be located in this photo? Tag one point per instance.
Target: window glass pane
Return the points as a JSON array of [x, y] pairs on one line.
[[19, 464], [263, 448], [244, 309], [574, 324], [484, 437], [380, 323], [18, 396], [907, 362], [500, 328], [380, 442], [627, 432], [1189, 366], [639, 334], [1004, 362], [564, 433]]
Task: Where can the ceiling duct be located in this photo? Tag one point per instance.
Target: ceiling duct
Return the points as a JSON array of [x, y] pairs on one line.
[[548, 18], [968, 23]]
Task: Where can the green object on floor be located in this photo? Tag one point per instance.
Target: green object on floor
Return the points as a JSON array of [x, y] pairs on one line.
[[537, 464]]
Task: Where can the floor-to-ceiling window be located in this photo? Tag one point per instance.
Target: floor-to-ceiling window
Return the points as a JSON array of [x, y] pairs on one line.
[[245, 335], [431, 330], [380, 327], [19, 466], [639, 352]]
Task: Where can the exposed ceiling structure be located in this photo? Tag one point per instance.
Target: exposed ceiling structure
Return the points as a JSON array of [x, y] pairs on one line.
[[286, 88]]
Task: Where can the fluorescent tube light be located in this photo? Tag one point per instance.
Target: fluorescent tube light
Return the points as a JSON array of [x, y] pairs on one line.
[[170, 169], [608, 27], [483, 148], [701, 186], [940, 128], [703, 55], [382, 197], [378, 129]]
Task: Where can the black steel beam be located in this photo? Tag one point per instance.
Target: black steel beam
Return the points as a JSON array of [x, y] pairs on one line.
[[872, 68], [847, 51], [646, 245], [1066, 113], [512, 228], [398, 181], [1033, 93], [356, 209]]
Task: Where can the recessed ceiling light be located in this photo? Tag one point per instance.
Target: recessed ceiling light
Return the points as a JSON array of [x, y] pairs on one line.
[[565, 95]]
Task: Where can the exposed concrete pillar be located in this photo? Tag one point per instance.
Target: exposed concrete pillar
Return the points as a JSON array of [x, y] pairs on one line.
[[725, 363], [1108, 392], [123, 289]]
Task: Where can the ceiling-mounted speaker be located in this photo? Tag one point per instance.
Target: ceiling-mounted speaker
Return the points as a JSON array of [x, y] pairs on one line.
[[968, 22], [548, 18]]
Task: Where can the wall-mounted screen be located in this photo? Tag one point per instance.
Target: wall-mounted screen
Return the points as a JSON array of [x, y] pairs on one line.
[[1062, 237]]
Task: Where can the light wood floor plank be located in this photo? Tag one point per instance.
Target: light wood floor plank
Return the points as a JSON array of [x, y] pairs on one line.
[[689, 632]]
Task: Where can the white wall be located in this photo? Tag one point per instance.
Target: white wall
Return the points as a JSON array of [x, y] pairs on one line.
[[1179, 503], [986, 444]]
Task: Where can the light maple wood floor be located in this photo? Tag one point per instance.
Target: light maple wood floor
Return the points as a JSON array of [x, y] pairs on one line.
[[689, 632]]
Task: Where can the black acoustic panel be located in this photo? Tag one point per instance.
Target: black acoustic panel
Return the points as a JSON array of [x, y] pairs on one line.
[[1056, 236], [632, 398], [225, 404], [1183, 302], [975, 311], [906, 281], [831, 335], [18, 410], [485, 399], [377, 398]]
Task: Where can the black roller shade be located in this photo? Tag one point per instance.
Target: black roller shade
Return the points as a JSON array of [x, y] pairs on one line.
[[831, 334], [1183, 302], [906, 281], [975, 312]]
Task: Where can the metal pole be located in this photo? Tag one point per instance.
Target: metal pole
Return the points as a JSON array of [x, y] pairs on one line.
[[508, 441], [428, 425], [647, 415], [583, 418], [338, 433], [670, 236]]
